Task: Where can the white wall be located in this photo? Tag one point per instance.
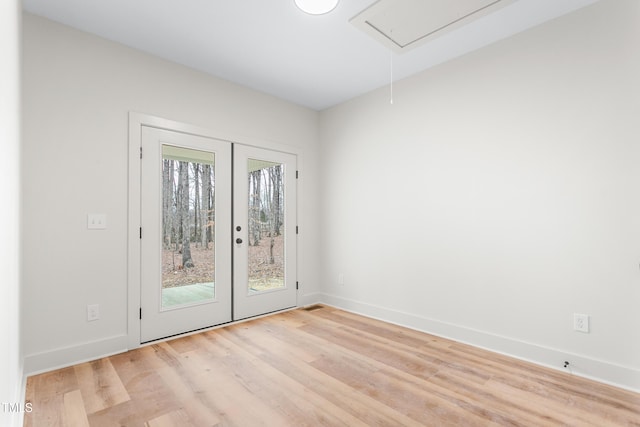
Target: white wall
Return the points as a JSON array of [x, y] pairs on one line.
[[499, 195], [10, 354], [77, 92]]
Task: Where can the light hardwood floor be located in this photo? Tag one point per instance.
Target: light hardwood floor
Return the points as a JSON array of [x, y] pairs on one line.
[[323, 367]]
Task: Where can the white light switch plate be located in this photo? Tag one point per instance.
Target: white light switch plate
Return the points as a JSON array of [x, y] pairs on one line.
[[96, 221]]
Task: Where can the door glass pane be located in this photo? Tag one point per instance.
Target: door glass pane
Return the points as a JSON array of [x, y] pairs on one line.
[[188, 232], [266, 226]]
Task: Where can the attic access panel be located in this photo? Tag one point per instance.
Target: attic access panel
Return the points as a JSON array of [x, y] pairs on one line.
[[405, 24]]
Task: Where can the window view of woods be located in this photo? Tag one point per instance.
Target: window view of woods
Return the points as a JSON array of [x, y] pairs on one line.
[[266, 222], [188, 219], [188, 225]]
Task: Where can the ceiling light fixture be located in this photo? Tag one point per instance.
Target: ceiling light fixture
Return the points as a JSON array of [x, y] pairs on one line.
[[316, 7]]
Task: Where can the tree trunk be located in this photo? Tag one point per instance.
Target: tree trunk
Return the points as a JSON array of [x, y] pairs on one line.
[[167, 202], [277, 199], [204, 205], [196, 202], [271, 258], [183, 179], [254, 220]]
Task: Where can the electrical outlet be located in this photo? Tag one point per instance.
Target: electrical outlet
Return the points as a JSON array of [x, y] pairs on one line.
[[96, 221], [581, 322], [93, 312]]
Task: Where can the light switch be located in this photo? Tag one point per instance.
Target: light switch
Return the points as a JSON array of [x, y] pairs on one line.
[[96, 221], [93, 312]]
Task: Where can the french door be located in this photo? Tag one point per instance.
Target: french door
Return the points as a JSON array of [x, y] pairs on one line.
[[264, 232], [218, 234]]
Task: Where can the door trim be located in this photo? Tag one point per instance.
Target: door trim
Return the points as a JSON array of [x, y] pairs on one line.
[[136, 121]]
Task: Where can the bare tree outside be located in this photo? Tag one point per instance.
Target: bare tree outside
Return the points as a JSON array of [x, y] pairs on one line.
[[188, 217], [266, 207], [188, 221]]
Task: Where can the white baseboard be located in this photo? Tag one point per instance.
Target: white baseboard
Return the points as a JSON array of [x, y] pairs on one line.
[[583, 366], [309, 299], [67, 356]]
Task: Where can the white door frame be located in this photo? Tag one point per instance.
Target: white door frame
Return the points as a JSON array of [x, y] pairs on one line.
[[136, 121]]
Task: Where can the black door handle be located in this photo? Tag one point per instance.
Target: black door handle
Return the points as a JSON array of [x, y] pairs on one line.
[[238, 240]]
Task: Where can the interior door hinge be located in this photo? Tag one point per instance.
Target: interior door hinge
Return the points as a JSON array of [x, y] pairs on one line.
[[140, 313], [297, 285], [296, 174], [296, 229], [141, 232], [140, 152]]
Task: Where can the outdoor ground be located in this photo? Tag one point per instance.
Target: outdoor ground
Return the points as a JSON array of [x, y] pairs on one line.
[[261, 272]]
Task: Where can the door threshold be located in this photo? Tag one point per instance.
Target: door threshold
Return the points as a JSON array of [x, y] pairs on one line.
[[211, 328]]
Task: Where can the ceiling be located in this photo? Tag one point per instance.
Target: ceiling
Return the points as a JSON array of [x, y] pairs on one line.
[[271, 46]]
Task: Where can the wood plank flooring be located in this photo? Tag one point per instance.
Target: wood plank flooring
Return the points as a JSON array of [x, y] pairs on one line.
[[324, 367]]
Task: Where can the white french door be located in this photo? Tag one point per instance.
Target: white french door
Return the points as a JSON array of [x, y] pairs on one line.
[[185, 284], [217, 243], [264, 231]]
